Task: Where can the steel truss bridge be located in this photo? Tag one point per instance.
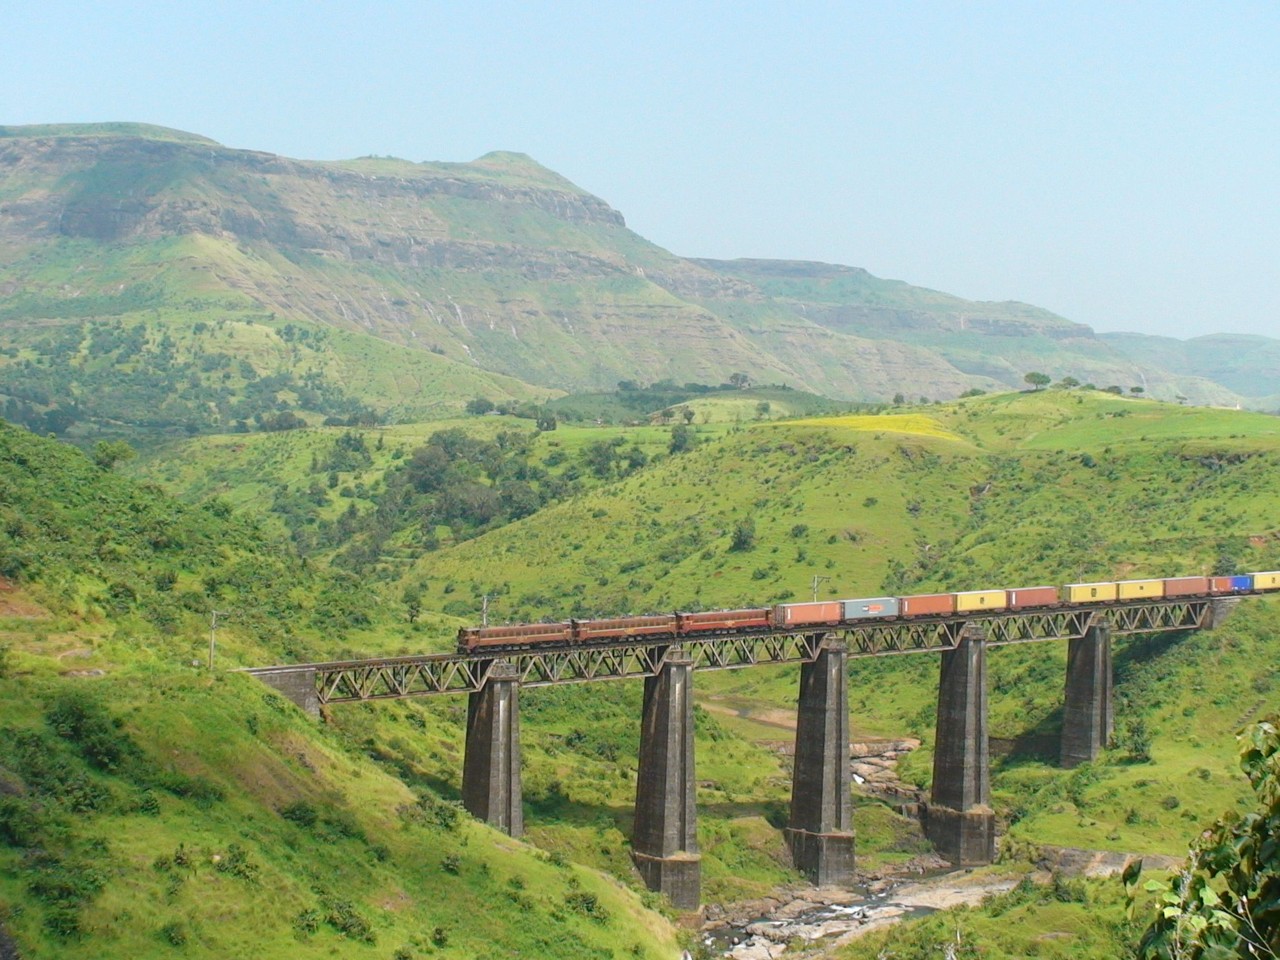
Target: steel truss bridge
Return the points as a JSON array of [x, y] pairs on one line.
[[397, 677]]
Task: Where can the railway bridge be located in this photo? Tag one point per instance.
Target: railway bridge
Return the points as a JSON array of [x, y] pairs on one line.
[[958, 817]]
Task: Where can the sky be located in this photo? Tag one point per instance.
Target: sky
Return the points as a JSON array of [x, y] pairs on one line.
[[1115, 162]]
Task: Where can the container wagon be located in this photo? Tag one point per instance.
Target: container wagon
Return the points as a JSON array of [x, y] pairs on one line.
[[1025, 598], [929, 604], [874, 608], [1186, 587], [1140, 589], [1240, 583], [971, 600], [804, 614], [1267, 581], [1090, 592]]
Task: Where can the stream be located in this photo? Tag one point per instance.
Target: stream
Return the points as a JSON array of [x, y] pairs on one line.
[[762, 930]]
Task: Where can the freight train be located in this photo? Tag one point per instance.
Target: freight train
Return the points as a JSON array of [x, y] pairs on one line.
[[836, 613]]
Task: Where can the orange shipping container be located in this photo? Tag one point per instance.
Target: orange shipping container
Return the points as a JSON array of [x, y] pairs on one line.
[[1186, 586], [927, 604], [802, 614], [1024, 597]]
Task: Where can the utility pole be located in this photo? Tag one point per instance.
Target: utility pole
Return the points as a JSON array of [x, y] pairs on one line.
[[213, 632], [484, 610], [817, 580]]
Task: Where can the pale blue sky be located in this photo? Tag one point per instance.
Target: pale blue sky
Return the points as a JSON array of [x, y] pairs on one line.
[[1118, 163]]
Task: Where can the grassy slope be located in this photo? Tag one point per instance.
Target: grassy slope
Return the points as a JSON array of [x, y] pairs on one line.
[[172, 291], [113, 830], [902, 502], [899, 500]]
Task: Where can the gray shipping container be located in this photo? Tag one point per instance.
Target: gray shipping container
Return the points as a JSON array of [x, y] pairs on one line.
[[873, 607]]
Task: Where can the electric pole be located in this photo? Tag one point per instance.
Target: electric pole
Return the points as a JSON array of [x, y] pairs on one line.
[[213, 632], [817, 580]]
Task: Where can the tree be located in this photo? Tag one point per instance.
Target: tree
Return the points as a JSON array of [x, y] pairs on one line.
[[682, 438], [479, 406], [412, 602], [739, 380], [1037, 380], [762, 409], [1226, 901], [1137, 390], [110, 452], [546, 421]]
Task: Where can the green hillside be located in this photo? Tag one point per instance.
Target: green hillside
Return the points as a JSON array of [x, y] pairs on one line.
[[133, 367], [149, 806], [147, 803], [1001, 491]]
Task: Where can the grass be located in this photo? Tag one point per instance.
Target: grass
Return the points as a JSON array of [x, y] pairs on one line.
[[973, 494], [159, 816]]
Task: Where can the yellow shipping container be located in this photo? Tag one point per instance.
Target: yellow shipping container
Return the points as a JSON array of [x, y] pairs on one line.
[[1089, 592], [981, 600], [1140, 589], [1266, 581]]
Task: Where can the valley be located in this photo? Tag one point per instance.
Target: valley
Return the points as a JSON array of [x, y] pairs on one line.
[[356, 406]]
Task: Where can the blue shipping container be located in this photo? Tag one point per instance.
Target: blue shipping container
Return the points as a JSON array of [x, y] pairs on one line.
[[867, 609]]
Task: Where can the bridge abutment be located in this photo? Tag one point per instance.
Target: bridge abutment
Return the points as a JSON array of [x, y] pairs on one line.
[[820, 834], [1219, 610], [295, 683], [958, 818], [1086, 712], [665, 836], [491, 787]]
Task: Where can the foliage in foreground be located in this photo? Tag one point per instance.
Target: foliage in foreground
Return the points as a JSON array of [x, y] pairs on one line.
[[1226, 902]]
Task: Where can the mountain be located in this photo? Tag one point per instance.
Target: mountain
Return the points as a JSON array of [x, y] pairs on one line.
[[498, 266], [1248, 364], [997, 341]]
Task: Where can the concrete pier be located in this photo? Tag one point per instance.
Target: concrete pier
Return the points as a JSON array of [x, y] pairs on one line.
[[665, 836], [491, 789], [1086, 713], [820, 831], [958, 818], [297, 684], [1219, 610]]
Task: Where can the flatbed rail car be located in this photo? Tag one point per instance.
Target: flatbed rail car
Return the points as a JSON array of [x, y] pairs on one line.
[[835, 613]]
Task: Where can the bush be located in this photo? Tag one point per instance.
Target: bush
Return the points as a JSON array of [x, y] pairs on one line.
[[744, 536], [301, 813]]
